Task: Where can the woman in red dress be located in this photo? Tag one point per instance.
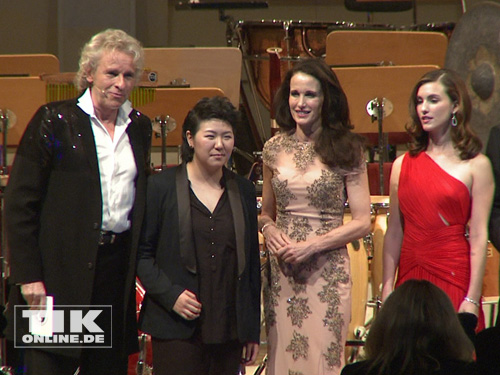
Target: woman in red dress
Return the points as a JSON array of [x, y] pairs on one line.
[[441, 195]]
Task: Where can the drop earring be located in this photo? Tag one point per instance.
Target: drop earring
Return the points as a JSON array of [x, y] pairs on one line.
[[454, 121]]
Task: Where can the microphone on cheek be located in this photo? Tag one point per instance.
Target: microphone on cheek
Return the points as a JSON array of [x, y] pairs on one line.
[[102, 91]]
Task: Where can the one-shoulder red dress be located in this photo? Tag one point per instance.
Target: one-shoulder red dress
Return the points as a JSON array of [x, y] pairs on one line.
[[436, 208]]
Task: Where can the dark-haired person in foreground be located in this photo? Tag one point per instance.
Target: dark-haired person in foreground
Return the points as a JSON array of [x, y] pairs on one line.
[[417, 332]]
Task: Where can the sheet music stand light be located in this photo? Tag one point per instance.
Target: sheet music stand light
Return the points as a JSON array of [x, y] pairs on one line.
[[392, 83]]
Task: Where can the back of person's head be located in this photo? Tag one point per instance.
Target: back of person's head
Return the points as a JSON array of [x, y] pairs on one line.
[[415, 330]]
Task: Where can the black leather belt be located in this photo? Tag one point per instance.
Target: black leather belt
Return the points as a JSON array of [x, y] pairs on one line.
[[108, 238]]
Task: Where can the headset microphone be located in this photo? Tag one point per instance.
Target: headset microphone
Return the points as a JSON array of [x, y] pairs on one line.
[[103, 92]]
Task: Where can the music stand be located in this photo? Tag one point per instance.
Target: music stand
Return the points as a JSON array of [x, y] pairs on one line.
[[201, 67], [369, 74], [383, 47], [394, 84], [176, 104], [23, 96]]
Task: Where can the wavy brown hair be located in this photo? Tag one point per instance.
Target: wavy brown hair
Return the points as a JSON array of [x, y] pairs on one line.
[[415, 330], [463, 138], [337, 145]]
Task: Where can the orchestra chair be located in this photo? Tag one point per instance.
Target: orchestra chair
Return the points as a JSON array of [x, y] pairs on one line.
[[197, 67], [27, 65]]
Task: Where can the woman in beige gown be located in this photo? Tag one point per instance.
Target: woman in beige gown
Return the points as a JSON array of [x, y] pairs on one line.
[[311, 167]]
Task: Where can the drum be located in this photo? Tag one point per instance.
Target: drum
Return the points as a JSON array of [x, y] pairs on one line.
[[490, 285], [359, 274], [380, 216], [491, 270], [297, 39]]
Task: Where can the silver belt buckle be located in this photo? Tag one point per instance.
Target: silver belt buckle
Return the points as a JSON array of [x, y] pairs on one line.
[[102, 234]]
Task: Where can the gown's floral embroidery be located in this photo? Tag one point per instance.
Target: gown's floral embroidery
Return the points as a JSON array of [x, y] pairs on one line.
[[298, 284], [298, 310], [288, 143], [304, 155], [299, 346], [326, 226], [324, 193], [333, 354], [271, 149], [271, 292], [283, 221], [283, 194], [310, 201], [283, 198], [303, 152], [300, 228], [321, 195], [334, 275]]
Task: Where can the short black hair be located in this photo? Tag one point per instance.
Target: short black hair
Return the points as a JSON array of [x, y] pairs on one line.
[[217, 107]]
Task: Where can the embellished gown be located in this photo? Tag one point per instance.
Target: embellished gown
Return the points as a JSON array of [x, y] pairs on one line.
[[307, 306], [436, 208]]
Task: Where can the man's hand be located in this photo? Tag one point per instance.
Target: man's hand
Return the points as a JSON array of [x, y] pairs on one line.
[[34, 294]]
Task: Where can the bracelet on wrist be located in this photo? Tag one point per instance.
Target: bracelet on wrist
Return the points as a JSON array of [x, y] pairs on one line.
[[271, 223], [474, 302]]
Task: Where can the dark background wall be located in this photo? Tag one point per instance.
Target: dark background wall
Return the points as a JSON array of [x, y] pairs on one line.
[[60, 27]]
